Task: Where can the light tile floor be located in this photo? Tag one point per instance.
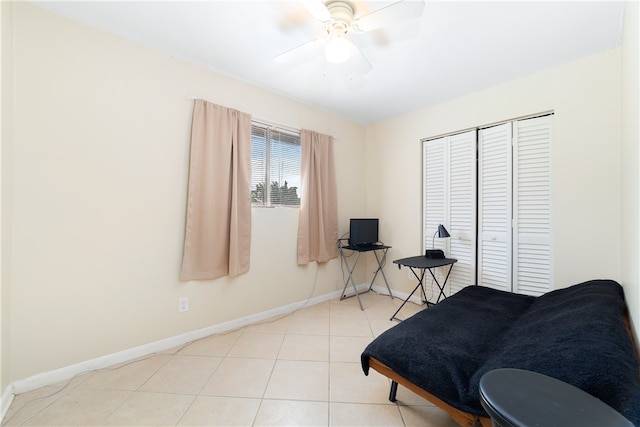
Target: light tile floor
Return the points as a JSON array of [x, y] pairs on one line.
[[302, 369]]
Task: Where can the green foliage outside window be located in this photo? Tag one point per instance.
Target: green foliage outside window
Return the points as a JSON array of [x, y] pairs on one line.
[[279, 194]]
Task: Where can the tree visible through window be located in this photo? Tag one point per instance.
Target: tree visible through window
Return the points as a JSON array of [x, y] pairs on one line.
[[275, 159]]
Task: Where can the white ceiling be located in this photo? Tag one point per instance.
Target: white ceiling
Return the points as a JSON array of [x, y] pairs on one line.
[[453, 49]]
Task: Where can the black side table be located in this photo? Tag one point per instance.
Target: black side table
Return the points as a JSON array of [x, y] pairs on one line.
[[423, 264], [519, 398]]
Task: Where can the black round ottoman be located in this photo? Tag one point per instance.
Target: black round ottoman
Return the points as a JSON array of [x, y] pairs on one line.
[[519, 398]]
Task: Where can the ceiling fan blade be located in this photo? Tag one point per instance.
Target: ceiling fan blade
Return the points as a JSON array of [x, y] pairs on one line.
[[301, 52], [396, 12], [318, 9], [360, 65]]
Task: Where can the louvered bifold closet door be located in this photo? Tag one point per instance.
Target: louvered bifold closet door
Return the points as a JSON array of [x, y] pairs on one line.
[[434, 172], [462, 209], [494, 207], [449, 171], [532, 257]]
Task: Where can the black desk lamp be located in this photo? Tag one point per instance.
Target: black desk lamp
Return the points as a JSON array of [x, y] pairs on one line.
[[433, 252]]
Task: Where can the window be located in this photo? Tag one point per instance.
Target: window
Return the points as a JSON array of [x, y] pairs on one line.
[[275, 159]]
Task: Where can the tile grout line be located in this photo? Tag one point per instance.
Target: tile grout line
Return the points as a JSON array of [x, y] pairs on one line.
[[340, 321]]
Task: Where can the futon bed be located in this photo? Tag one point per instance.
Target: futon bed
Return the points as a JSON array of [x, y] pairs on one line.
[[579, 335]]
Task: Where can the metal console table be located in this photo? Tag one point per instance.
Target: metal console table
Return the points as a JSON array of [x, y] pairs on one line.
[[343, 245], [423, 264]]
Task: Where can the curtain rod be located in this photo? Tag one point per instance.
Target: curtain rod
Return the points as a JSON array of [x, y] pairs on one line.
[[269, 123], [275, 125]]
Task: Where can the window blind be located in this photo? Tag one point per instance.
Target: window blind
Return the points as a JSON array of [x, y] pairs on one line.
[[275, 171]]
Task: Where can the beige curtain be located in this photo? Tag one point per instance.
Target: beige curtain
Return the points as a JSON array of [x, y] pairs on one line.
[[218, 230], [318, 223]]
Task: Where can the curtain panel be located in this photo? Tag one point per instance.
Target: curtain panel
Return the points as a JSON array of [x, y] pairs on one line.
[[318, 222], [218, 225]]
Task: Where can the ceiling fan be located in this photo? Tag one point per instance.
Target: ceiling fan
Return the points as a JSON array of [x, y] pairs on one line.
[[339, 19]]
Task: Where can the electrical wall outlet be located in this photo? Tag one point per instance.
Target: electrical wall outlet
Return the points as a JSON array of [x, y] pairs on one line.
[[183, 304]]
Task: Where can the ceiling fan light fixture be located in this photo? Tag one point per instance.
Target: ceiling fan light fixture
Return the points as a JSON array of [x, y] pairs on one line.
[[337, 50]]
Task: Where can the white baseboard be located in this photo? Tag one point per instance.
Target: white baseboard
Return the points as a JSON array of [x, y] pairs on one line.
[[68, 372], [348, 292], [415, 298], [7, 398], [382, 290]]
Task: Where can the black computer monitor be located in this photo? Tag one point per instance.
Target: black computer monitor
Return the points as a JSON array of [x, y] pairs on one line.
[[363, 231]]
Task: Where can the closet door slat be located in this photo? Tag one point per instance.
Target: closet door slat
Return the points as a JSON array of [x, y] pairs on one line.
[[532, 257], [494, 207]]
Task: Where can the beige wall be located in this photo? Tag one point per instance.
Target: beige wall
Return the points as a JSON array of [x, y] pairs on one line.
[[99, 181], [630, 220], [585, 96], [6, 135]]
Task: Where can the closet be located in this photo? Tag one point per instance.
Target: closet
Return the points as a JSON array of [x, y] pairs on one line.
[[491, 188]]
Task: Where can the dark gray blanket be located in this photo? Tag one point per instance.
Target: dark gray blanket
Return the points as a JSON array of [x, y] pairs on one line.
[[576, 334]]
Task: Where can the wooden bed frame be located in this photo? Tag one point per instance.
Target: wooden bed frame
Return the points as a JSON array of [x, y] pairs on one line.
[[462, 418]]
